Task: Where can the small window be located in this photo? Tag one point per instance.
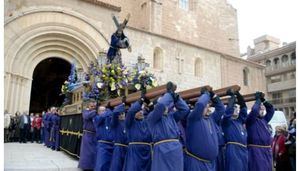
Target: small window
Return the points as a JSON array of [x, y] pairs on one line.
[[158, 58], [276, 62], [293, 58], [268, 63], [284, 60], [292, 75], [184, 4], [245, 76], [292, 93]]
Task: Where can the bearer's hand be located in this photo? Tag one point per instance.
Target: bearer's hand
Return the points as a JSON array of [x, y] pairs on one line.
[[230, 92], [263, 97], [175, 97], [258, 95], [212, 94], [204, 90], [171, 87]]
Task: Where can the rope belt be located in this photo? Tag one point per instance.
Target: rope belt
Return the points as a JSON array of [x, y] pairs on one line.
[[259, 146], [144, 143], [119, 144], [196, 157], [88, 131], [140, 143], [165, 141], [236, 143], [105, 142]]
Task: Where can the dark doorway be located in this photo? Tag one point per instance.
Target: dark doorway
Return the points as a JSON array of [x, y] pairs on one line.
[[48, 76]]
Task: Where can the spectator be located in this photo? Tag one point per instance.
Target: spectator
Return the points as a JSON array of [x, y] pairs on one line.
[[292, 119], [280, 155], [37, 121], [24, 126], [17, 133], [12, 128], [291, 144], [6, 125]]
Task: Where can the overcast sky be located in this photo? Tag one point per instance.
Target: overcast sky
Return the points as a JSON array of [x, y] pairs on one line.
[[259, 17]]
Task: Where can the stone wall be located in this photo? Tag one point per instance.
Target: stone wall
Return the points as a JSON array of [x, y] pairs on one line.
[[180, 72]]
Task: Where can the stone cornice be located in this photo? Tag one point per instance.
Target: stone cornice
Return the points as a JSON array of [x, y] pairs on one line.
[[103, 4], [247, 62], [279, 51], [17, 75]]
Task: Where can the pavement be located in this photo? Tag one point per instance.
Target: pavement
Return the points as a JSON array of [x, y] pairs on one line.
[[35, 157]]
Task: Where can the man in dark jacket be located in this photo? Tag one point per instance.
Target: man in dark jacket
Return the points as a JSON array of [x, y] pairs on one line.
[[24, 126]]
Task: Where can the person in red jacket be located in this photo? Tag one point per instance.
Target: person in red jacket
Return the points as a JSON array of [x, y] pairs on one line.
[[37, 122], [280, 155]]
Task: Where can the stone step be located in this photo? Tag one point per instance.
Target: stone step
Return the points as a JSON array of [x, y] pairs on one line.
[[34, 157]]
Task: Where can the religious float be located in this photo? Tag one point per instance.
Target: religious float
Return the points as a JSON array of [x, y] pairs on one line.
[[108, 80]]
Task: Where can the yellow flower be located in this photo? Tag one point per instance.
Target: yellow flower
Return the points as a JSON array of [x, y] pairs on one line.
[[155, 83], [112, 85], [137, 86], [99, 85]]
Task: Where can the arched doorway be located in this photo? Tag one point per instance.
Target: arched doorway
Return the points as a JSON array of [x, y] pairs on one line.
[[48, 76], [49, 31]]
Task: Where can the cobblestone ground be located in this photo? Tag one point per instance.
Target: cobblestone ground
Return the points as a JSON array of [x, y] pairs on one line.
[[33, 157]]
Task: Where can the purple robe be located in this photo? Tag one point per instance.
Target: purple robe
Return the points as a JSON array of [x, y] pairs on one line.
[[259, 158], [167, 156], [202, 137], [104, 134], [56, 128], [236, 155], [46, 128], [54, 131], [89, 141], [138, 155], [50, 131], [120, 139]]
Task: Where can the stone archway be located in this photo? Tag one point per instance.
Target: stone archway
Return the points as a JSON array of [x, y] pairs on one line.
[[37, 34]]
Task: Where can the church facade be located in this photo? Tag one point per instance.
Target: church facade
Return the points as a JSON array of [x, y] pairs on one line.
[[190, 42]]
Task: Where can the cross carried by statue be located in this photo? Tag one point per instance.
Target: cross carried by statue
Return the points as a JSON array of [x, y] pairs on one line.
[[118, 41], [121, 26]]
